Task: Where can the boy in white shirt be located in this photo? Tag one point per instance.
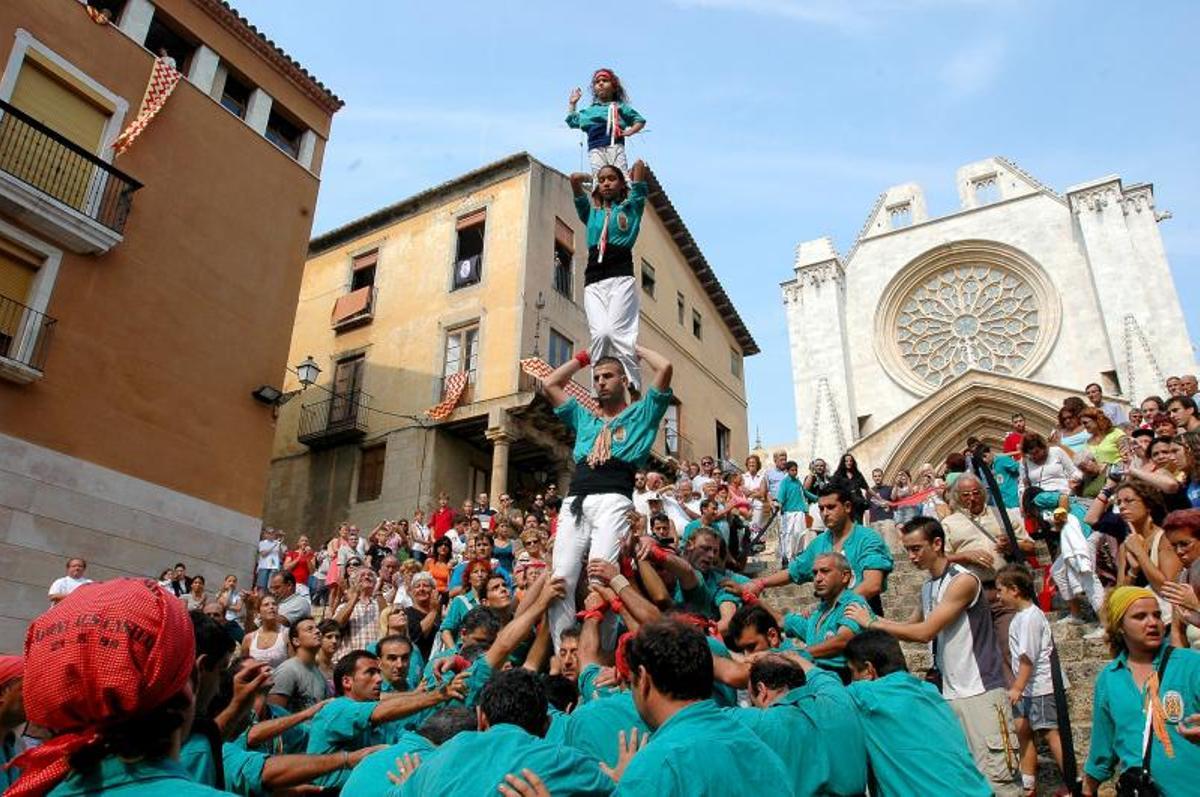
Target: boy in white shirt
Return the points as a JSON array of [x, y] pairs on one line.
[[1032, 691]]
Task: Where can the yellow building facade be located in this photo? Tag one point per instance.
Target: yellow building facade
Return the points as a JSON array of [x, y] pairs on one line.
[[472, 276]]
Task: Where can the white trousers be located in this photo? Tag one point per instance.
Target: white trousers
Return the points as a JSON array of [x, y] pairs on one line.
[[792, 534], [1071, 580], [598, 536], [612, 313], [612, 155]]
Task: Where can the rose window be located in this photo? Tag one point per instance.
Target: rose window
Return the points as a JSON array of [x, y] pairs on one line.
[[964, 317]]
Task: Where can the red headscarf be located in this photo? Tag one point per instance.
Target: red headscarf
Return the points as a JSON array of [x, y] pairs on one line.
[[11, 668], [109, 651]]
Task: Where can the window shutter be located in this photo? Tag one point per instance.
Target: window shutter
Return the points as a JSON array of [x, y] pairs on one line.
[[471, 219], [564, 236], [365, 260], [351, 304]]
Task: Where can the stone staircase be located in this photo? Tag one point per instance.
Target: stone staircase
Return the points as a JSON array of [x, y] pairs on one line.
[[1081, 659]]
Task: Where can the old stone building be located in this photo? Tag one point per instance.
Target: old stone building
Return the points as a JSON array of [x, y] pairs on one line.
[[930, 329], [470, 277]]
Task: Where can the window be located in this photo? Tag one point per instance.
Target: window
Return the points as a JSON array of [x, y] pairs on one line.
[[697, 325], [164, 39], [363, 270], [671, 429], [987, 190], [560, 348], [347, 389], [112, 7], [564, 255], [284, 133], [679, 309], [462, 352], [357, 307], [648, 279], [18, 269], [900, 215], [735, 363], [468, 253], [235, 96], [722, 441], [370, 473]]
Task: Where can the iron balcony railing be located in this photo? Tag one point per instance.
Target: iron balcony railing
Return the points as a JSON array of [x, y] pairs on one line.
[[338, 419], [24, 333], [63, 170]]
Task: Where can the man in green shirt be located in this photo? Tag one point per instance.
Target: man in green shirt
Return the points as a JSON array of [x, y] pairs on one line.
[[827, 629], [609, 447], [868, 554], [695, 748], [915, 744], [355, 718], [513, 718], [800, 707], [370, 777]]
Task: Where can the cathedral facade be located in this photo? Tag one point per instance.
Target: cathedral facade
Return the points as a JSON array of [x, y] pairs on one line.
[[932, 329]]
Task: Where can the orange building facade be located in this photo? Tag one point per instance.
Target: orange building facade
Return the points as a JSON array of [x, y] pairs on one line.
[[143, 296]]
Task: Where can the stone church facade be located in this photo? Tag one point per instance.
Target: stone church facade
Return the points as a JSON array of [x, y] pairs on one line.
[[933, 329]]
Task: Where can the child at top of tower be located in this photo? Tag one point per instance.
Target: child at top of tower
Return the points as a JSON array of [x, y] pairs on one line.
[[613, 214], [608, 121]]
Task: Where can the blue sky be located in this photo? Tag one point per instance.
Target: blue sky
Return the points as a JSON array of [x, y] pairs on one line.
[[770, 121]]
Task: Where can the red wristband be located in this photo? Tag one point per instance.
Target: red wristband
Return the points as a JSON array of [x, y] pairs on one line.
[[458, 664], [659, 554], [583, 358], [749, 598], [616, 605], [590, 614]]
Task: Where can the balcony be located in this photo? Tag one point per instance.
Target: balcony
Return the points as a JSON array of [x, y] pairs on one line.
[[24, 337], [354, 309], [339, 419], [59, 188]]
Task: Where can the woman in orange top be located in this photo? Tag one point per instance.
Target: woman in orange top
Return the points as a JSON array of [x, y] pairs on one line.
[[439, 566]]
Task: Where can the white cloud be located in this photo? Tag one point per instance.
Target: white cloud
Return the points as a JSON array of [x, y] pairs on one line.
[[973, 68]]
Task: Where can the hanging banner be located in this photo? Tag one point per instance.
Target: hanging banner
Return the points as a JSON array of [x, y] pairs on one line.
[[163, 80], [455, 385], [540, 369]]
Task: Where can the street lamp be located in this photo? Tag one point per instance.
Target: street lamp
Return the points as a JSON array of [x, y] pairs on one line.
[[308, 371]]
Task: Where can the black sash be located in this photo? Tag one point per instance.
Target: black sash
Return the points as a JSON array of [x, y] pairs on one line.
[[618, 262], [614, 476]]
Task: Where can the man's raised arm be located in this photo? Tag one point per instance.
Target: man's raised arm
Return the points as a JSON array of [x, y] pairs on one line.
[[659, 364]]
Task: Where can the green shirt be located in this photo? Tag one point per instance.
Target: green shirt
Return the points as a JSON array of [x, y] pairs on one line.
[[624, 218], [703, 752], [1008, 477], [344, 724], [825, 622], [1118, 721], [459, 606], [818, 718], [475, 763], [8, 751], [863, 547], [243, 769], [914, 740], [293, 740], [369, 778], [707, 596], [594, 726], [633, 430], [588, 690], [791, 495], [149, 778]]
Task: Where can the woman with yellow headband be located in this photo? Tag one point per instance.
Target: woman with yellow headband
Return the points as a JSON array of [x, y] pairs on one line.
[[1135, 694]]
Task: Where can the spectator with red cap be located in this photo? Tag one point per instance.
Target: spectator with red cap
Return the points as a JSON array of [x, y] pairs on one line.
[[12, 714], [109, 670]]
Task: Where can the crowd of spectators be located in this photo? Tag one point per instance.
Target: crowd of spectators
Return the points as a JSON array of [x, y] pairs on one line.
[[416, 659]]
